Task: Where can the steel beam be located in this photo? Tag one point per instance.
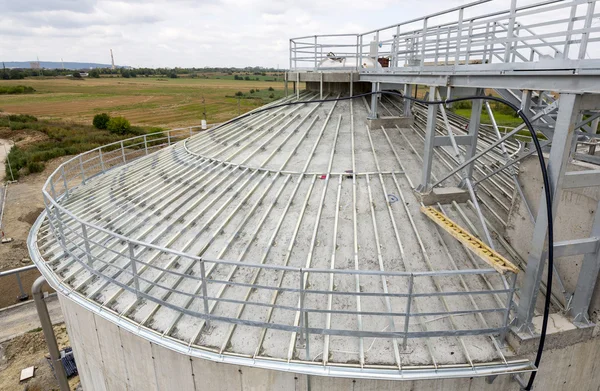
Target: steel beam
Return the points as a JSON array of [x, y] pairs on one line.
[[474, 124], [559, 157], [429, 143], [569, 248], [579, 179]]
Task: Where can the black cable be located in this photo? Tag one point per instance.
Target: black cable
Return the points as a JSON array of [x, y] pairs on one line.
[[545, 177]]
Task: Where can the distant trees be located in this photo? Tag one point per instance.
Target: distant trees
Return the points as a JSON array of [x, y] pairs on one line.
[[100, 121], [94, 73], [118, 125], [173, 75], [76, 75], [16, 74]]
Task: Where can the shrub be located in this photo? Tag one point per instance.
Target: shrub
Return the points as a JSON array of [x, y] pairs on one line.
[[101, 121], [16, 90], [271, 89], [95, 73], [272, 96], [173, 75], [118, 125], [239, 93], [35, 167], [22, 118], [76, 75], [252, 91], [247, 78]]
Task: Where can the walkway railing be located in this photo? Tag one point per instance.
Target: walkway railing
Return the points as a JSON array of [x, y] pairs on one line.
[[555, 30], [90, 245]]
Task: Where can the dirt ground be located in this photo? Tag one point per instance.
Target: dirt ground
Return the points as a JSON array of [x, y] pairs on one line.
[[23, 205], [30, 350]]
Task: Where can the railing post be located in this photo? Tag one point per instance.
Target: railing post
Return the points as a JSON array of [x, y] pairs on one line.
[[82, 169], [357, 52], [101, 160], [458, 36], [86, 242], [204, 290], [62, 173], [304, 336], [23, 295], [485, 45], [146, 143], [424, 41], [586, 35], [407, 312], [437, 46], [290, 54], [569, 29], [361, 50], [60, 228], [509, 297], [468, 53], [123, 152], [169, 138], [134, 271], [493, 43], [509, 33], [52, 190], [315, 53]]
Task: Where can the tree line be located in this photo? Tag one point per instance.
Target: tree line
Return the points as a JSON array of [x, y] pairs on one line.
[[21, 73]]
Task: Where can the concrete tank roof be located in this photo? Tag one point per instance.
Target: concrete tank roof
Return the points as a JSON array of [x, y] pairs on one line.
[[304, 186]]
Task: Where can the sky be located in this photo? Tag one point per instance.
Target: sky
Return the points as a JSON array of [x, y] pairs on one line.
[[187, 33]]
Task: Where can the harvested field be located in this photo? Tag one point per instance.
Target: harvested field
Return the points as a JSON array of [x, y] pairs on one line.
[[143, 101]]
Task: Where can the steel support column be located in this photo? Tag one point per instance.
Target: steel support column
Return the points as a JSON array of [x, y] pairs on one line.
[[474, 124], [408, 91], [432, 111], [586, 281], [373, 113], [559, 156]]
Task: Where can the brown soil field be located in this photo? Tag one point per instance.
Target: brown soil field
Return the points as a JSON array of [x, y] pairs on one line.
[[28, 350]]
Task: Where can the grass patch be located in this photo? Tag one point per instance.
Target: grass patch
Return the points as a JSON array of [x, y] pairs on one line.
[[502, 119], [13, 90]]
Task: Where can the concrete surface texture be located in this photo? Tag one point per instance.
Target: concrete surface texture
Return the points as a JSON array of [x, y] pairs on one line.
[[573, 221], [21, 318], [111, 358], [285, 196]]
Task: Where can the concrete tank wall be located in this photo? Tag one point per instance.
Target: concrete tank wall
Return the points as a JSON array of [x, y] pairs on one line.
[[112, 358], [573, 221]]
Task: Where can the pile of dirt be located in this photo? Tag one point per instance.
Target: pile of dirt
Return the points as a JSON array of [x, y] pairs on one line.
[[28, 350], [31, 216]]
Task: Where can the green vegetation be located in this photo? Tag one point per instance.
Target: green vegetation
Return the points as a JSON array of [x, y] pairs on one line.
[[118, 125], [61, 139], [12, 90], [503, 114], [101, 121]]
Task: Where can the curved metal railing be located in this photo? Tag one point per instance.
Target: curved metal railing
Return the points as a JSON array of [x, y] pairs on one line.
[[76, 237]]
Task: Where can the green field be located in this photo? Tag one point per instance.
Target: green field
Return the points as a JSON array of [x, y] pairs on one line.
[[63, 109], [151, 101]]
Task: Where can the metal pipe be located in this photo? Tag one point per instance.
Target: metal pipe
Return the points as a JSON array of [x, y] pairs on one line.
[[42, 310]]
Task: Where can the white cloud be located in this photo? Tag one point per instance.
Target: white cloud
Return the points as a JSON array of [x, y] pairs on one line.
[[187, 32]]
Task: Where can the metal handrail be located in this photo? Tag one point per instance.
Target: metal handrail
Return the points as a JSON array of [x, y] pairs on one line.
[[467, 39], [75, 237], [17, 273]]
